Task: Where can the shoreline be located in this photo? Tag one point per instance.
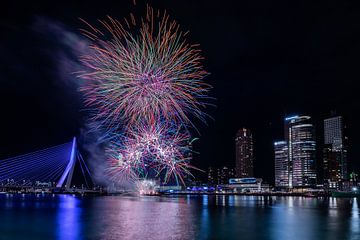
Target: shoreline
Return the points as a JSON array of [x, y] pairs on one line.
[[84, 192]]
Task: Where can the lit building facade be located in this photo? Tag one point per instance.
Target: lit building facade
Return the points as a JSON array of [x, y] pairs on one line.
[[332, 167], [302, 151], [334, 151], [300, 145], [244, 164], [224, 174], [334, 132], [238, 185], [281, 151], [220, 175]]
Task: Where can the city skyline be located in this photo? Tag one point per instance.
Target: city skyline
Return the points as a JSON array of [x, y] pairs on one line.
[[328, 156]]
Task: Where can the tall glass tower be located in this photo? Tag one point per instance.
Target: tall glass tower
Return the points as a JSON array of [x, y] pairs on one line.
[[335, 150], [281, 164], [300, 146], [302, 151], [244, 164]]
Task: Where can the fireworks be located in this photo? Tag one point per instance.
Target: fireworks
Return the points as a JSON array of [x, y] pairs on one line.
[[146, 187], [151, 150], [143, 80], [145, 69]]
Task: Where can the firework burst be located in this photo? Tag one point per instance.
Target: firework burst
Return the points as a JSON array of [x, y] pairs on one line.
[[143, 69], [151, 150]]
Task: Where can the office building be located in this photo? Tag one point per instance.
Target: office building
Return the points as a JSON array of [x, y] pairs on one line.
[[281, 164], [220, 175], [334, 151], [244, 163], [300, 145], [334, 132]]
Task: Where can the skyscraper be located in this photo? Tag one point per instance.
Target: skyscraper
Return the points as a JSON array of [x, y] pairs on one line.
[[281, 164], [244, 164], [334, 132], [302, 151], [300, 146], [335, 150]]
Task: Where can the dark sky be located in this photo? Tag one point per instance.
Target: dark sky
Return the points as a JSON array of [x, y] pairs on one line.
[[266, 58]]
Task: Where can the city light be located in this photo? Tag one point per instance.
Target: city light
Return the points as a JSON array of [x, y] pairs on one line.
[[292, 117]]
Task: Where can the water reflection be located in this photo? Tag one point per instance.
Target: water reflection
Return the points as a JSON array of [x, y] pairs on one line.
[[355, 222], [205, 219], [68, 218], [182, 217], [134, 218]]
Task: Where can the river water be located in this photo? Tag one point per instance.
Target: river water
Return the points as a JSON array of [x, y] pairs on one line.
[[68, 217]]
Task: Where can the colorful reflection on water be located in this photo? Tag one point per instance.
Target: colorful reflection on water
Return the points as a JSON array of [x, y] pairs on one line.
[[184, 217]]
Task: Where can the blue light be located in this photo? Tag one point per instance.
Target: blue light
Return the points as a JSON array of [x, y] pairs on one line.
[[242, 180], [69, 166], [292, 117], [279, 142], [39, 167], [69, 213]]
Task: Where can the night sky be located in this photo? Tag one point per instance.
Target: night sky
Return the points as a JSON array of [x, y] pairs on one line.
[[267, 59]]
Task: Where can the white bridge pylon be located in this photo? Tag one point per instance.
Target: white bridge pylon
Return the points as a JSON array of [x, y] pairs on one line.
[[69, 171]]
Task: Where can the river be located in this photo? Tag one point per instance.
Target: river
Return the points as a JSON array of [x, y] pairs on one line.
[[68, 217]]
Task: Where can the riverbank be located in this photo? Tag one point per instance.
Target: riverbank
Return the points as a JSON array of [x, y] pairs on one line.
[[84, 192]]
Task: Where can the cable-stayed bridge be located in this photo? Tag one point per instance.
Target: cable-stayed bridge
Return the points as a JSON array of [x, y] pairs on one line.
[[52, 167]]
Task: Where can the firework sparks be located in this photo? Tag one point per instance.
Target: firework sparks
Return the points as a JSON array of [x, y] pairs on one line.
[[136, 71], [154, 149], [146, 187], [143, 79]]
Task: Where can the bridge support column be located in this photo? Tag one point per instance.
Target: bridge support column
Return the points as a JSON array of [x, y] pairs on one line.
[[69, 168]]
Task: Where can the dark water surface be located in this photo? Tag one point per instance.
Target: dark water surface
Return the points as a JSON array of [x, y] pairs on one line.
[[184, 217]]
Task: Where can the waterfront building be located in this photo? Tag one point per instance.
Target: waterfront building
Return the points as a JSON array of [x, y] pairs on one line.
[[220, 175], [334, 152], [239, 185], [302, 151], [300, 146], [281, 164], [244, 163]]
